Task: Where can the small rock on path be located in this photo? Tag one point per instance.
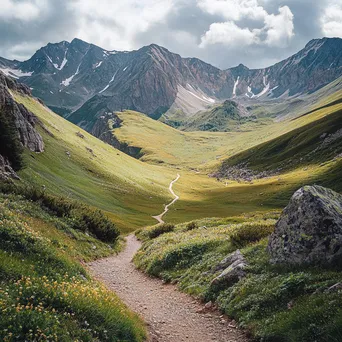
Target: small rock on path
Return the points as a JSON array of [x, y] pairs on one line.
[[171, 316]]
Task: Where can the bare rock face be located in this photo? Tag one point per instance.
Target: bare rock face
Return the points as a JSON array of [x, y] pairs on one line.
[[14, 85], [103, 129], [309, 230], [24, 120], [233, 267], [25, 123], [6, 171]]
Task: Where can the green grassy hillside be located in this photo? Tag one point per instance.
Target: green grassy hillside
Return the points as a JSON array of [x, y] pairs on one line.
[[197, 153], [205, 150], [276, 304], [314, 143], [76, 164], [45, 293], [131, 190], [226, 117]]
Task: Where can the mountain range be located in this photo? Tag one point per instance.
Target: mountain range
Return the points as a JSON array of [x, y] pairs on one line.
[[86, 83]]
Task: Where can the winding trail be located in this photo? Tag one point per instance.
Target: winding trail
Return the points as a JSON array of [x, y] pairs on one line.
[[159, 218], [171, 316]]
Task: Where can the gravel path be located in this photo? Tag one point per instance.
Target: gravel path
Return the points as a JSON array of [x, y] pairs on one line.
[[171, 316]]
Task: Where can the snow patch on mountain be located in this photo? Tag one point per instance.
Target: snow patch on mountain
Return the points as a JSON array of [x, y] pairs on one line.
[[65, 61], [67, 81], [62, 64], [271, 90], [203, 98], [15, 73], [107, 53], [97, 65], [249, 93], [54, 64], [235, 86], [107, 86], [265, 90]]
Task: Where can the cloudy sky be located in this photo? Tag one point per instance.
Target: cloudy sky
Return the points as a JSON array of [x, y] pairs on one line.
[[224, 33]]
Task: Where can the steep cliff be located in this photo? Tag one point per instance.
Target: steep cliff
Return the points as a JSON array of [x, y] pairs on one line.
[[17, 128]]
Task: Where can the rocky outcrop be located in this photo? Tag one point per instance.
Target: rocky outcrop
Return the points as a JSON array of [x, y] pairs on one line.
[[13, 85], [6, 171], [103, 129], [241, 172], [309, 230], [17, 126], [24, 120], [233, 267]]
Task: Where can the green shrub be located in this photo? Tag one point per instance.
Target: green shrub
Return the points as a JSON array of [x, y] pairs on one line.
[[81, 216], [191, 226], [164, 254], [160, 229], [96, 223], [183, 256], [247, 233]]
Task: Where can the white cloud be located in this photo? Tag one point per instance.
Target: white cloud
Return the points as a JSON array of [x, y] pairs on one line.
[[331, 21], [228, 33], [233, 9], [241, 37], [115, 23], [22, 10], [277, 30], [21, 51]]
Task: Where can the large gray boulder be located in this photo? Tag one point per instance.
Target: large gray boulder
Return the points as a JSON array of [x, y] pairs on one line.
[[309, 230]]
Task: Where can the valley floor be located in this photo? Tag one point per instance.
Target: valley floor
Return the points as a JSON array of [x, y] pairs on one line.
[[169, 314]]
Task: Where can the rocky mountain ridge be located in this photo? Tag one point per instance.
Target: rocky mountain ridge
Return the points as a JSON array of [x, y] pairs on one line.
[[84, 82]]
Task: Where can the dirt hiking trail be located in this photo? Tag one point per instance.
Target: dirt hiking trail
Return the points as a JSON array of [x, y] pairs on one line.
[[171, 316], [159, 218]]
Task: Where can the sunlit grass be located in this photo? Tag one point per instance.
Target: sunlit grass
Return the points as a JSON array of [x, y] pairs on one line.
[[129, 190], [45, 293], [273, 302], [200, 150]]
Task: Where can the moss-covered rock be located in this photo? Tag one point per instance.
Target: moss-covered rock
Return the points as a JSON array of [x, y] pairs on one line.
[[309, 230]]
